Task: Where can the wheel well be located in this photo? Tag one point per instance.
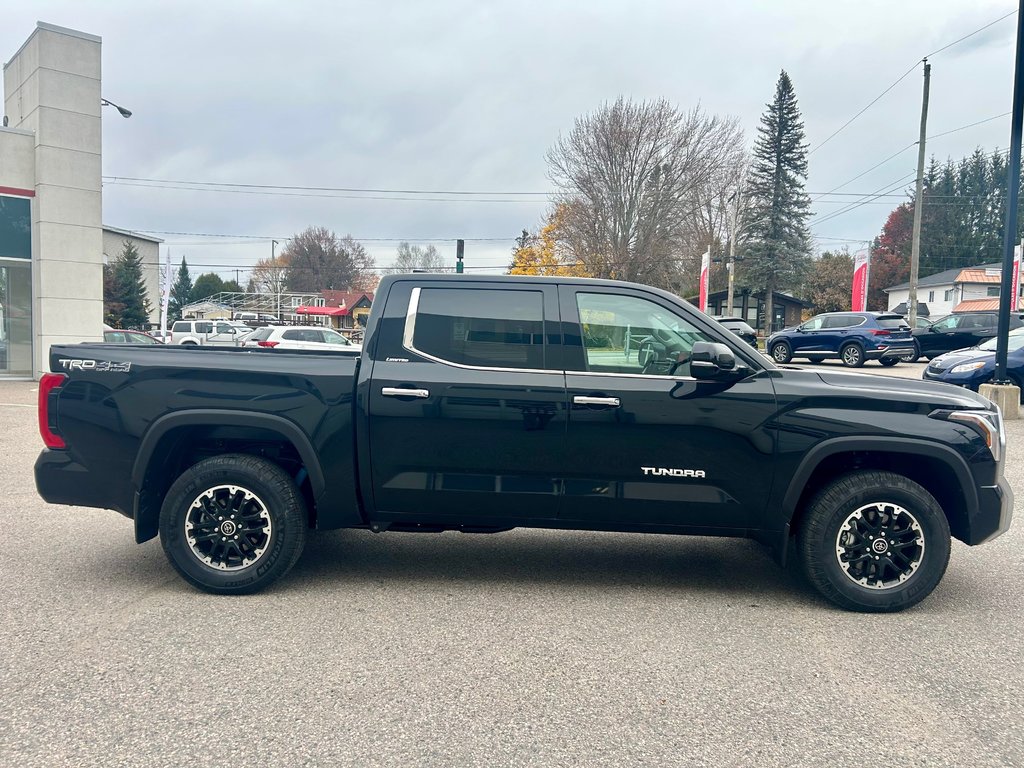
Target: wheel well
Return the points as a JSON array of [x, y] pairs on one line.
[[931, 473], [182, 447]]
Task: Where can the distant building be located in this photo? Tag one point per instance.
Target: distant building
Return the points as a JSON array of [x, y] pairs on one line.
[[343, 309], [963, 289], [149, 251], [750, 306]]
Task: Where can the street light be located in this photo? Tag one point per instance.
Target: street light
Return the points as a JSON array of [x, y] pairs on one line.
[[126, 113]]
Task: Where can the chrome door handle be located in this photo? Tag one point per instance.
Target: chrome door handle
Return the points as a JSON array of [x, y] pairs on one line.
[[401, 392], [612, 402]]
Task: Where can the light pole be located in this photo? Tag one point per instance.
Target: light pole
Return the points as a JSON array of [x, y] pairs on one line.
[[125, 113], [277, 277]]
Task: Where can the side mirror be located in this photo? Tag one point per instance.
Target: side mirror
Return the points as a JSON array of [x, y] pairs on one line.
[[710, 360]]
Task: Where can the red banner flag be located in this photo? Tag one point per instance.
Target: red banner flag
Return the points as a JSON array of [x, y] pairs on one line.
[[705, 266], [1015, 285], [859, 301]]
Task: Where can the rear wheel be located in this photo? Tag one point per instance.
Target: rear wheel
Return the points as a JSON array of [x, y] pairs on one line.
[[888, 362], [233, 524], [781, 353], [874, 541], [852, 356], [914, 356]]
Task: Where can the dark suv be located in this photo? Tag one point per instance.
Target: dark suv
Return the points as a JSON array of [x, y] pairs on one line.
[[853, 337], [960, 331], [738, 326]]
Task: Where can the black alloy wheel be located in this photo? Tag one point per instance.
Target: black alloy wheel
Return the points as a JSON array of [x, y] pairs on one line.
[[233, 524], [874, 541]]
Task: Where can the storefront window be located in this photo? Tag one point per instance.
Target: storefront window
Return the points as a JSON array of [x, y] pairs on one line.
[[15, 286]]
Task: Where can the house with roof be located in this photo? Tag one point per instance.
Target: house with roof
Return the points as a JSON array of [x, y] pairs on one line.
[[340, 309], [964, 289]]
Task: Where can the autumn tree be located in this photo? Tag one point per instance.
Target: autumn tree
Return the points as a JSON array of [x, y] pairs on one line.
[[268, 276], [417, 257], [890, 256], [319, 260], [778, 252], [544, 253], [630, 178], [829, 282]]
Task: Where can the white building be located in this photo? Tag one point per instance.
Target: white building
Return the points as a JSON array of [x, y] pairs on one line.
[[149, 251], [955, 290]]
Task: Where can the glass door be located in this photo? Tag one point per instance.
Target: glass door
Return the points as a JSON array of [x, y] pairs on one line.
[[15, 318]]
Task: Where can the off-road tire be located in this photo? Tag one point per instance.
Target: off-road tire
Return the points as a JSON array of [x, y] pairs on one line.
[[269, 526], [822, 525]]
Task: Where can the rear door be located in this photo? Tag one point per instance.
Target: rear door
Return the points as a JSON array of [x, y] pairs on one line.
[[467, 404], [647, 443]]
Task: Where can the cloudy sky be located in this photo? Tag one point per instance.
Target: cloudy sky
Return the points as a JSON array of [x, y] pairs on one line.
[[465, 95]]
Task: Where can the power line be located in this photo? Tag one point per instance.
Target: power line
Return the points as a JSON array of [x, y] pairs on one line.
[[972, 34], [855, 205], [121, 179]]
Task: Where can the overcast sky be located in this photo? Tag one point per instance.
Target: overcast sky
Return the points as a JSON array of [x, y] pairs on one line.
[[468, 95]]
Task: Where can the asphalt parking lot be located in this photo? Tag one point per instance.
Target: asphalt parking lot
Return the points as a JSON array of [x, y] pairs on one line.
[[526, 648]]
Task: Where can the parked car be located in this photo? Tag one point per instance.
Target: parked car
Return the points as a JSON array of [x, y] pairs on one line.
[[161, 336], [853, 337], [925, 322], [298, 337], [738, 326], [118, 336], [958, 331], [217, 333], [492, 402], [974, 366]]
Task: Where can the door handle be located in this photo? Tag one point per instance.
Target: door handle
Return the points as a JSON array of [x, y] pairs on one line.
[[612, 402], [403, 392]]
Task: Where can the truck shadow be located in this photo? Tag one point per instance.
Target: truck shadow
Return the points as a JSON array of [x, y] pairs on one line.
[[529, 557]]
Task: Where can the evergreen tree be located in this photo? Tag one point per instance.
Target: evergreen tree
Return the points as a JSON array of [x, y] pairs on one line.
[[129, 289], [778, 250], [206, 285], [112, 304], [180, 292]]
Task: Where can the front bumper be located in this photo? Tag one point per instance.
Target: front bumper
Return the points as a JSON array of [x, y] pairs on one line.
[[995, 512]]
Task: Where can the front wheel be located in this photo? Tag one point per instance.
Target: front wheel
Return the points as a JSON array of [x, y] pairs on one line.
[[781, 353], [233, 524], [852, 356], [874, 541]]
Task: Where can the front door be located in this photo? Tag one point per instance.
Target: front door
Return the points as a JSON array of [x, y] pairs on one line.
[[648, 444], [467, 408]]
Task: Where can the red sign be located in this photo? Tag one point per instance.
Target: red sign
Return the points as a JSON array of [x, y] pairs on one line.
[[1015, 285], [705, 266], [859, 301]]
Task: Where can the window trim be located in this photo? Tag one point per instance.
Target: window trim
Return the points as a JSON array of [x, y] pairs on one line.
[[410, 329]]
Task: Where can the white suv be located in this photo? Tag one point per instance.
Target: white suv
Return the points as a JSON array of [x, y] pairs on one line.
[[299, 337], [218, 333]]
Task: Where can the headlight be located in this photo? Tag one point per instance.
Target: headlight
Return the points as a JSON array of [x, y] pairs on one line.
[[989, 424], [967, 367]]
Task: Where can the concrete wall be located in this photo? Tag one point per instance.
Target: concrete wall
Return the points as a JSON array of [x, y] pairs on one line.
[[52, 89]]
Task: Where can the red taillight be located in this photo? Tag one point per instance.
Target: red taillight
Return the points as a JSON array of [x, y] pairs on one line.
[[268, 343], [48, 386], [882, 333]]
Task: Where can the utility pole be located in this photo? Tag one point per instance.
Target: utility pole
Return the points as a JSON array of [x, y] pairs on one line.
[[460, 251], [732, 252], [1006, 300], [915, 248], [277, 277]]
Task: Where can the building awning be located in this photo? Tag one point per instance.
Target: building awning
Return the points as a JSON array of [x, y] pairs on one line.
[[322, 311], [981, 305], [922, 309]]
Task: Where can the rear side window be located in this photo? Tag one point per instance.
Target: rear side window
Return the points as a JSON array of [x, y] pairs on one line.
[[260, 334], [303, 334], [181, 327], [892, 322], [481, 327]]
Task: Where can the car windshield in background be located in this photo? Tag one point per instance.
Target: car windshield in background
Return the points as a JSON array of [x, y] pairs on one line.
[[891, 322], [1015, 342], [333, 337], [261, 334]]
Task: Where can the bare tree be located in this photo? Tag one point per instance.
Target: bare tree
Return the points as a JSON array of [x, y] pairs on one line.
[[412, 257], [637, 180], [268, 275], [319, 260]]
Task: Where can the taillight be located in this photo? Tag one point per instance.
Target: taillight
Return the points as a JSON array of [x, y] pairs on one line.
[[882, 332], [48, 386], [268, 343]]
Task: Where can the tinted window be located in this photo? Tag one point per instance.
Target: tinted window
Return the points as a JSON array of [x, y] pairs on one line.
[[181, 327], [892, 321], [838, 321], [204, 327], [489, 328], [303, 334]]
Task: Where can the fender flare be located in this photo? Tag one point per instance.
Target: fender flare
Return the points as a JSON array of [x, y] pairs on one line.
[[953, 460], [221, 417]]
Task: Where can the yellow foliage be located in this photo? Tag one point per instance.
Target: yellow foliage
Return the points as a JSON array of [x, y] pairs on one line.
[[545, 254]]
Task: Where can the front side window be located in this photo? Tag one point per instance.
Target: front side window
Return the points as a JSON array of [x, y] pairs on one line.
[[480, 327], [946, 324], [627, 334], [224, 328], [204, 327], [181, 326], [813, 324], [332, 337]]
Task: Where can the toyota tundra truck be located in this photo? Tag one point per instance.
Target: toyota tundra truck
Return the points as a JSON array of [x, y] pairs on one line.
[[480, 404]]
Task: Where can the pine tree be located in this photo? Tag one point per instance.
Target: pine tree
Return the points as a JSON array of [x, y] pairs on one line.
[[180, 292], [113, 306], [778, 251], [130, 288]]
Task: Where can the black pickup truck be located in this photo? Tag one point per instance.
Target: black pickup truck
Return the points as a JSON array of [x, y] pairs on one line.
[[479, 404]]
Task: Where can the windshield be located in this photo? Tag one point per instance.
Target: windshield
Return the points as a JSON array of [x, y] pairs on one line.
[[1015, 342]]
